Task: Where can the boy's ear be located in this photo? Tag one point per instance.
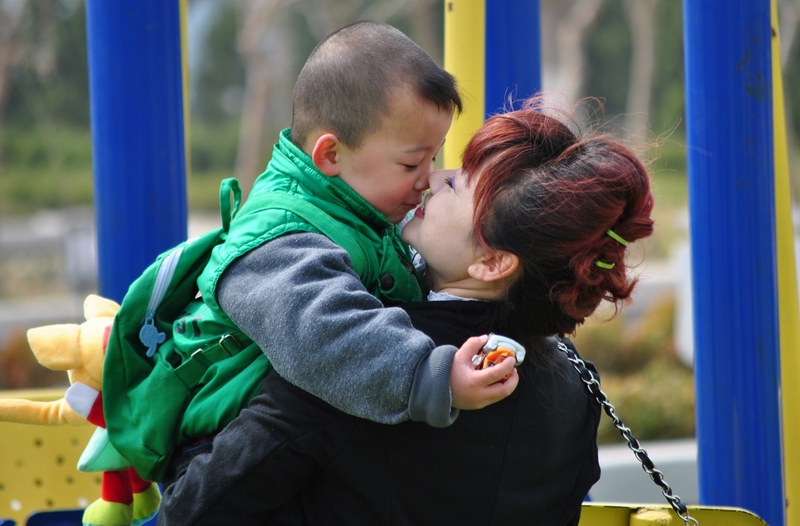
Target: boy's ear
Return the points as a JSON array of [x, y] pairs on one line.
[[325, 154], [494, 266]]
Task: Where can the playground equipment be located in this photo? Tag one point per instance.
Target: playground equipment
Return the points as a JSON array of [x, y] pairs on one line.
[[38, 464], [741, 233]]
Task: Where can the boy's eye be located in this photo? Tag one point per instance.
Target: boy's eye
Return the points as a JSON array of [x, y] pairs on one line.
[[411, 167]]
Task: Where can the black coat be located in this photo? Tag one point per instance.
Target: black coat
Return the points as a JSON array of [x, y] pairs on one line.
[[529, 459]]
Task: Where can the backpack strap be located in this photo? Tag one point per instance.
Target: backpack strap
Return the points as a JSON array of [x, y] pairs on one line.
[[192, 369], [228, 186]]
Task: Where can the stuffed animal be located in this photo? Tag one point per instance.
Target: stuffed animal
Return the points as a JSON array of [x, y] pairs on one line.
[[80, 350]]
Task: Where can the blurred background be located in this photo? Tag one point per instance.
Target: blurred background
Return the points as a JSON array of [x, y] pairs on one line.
[[244, 56]]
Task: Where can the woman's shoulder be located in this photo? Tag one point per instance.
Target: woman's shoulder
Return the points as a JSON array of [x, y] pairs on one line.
[[449, 322]]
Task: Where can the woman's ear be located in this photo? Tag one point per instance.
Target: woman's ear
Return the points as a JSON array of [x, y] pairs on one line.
[[494, 266], [325, 154]]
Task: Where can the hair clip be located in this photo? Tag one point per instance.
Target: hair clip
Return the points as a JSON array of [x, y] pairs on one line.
[[607, 266], [617, 237]]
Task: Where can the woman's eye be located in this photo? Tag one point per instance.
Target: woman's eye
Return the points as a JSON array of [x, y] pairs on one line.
[[449, 182]]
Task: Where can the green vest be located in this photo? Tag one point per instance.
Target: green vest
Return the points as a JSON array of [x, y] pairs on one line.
[[388, 273], [187, 350]]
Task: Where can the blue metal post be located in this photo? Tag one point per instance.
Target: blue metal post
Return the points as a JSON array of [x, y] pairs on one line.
[[732, 218], [513, 53], [136, 94]]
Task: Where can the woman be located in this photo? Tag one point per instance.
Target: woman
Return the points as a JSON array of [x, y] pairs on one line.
[[533, 229]]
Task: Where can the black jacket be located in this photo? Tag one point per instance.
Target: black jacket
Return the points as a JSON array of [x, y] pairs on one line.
[[529, 459]]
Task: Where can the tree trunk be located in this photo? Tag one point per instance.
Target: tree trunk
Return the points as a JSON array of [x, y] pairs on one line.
[[564, 24], [641, 18], [10, 20], [257, 22]]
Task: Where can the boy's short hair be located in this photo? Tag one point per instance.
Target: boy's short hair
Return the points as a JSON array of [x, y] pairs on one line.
[[348, 81]]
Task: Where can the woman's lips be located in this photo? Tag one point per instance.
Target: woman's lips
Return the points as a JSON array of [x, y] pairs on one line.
[[419, 212]]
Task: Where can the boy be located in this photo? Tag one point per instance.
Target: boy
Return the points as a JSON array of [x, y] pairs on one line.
[[370, 111]]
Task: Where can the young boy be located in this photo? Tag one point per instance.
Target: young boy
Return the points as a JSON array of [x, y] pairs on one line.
[[370, 112]]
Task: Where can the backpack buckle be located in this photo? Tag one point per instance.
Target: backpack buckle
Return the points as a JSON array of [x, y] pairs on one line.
[[230, 344]]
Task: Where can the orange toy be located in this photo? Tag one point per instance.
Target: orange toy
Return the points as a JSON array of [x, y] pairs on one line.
[[497, 349]]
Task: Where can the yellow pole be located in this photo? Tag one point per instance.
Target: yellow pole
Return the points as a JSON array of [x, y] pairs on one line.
[[185, 68], [788, 314], [464, 57]]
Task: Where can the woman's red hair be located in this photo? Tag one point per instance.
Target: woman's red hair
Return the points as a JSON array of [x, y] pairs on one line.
[[549, 197]]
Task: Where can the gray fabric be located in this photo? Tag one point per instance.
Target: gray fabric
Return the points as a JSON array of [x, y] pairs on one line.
[[299, 299]]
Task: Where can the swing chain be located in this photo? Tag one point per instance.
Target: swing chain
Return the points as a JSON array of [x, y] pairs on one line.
[[593, 385]]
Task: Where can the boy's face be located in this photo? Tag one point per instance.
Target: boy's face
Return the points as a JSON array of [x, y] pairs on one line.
[[391, 167]]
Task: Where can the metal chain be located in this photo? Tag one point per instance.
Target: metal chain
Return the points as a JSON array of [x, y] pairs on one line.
[[593, 385]]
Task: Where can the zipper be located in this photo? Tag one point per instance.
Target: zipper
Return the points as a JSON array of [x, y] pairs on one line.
[[148, 334]]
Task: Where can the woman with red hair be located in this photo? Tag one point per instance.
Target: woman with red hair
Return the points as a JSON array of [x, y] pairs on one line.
[[525, 240]]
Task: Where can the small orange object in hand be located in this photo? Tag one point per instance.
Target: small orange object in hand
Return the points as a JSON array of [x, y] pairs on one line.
[[497, 349]]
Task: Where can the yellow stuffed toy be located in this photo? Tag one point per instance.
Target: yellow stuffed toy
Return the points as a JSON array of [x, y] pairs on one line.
[[80, 350]]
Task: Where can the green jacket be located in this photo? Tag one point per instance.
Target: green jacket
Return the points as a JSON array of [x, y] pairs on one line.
[[387, 271], [293, 296]]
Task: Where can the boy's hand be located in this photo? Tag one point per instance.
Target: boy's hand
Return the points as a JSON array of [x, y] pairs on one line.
[[475, 389]]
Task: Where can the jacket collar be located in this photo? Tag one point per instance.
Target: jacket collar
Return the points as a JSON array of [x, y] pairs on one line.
[[288, 160]]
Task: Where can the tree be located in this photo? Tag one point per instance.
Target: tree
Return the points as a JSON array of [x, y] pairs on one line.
[[267, 65], [564, 25], [641, 17], [11, 46]]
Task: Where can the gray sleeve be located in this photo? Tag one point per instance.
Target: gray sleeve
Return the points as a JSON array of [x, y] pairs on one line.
[[300, 300]]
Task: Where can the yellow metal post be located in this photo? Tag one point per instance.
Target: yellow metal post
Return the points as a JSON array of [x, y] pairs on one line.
[[465, 57], [184, 7], [617, 514], [39, 464]]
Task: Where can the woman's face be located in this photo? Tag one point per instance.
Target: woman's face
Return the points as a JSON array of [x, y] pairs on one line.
[[441, 229]]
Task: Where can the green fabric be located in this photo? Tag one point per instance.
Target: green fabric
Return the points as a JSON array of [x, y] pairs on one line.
[[204, 370], [291, 172], [143, 400]]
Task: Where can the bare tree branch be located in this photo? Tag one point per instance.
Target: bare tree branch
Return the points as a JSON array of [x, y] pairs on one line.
[[262, 30], [641, 18], [564, 24]]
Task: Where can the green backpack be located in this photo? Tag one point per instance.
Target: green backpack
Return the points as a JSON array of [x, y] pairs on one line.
[[176, 369]]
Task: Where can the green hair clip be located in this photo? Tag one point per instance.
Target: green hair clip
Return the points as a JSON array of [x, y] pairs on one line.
[[602, 264], [617, 237]]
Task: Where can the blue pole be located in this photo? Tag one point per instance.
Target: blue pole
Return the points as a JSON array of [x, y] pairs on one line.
[[513, 53], [732, 218], [136, 96]]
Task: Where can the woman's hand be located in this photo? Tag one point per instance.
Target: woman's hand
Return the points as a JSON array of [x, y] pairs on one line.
[[474, 389]]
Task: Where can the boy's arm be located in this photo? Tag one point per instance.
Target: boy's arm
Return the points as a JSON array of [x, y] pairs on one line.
[[299, 299]]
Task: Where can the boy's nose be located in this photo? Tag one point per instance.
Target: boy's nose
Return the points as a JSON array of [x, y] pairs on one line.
[[423, 182]]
